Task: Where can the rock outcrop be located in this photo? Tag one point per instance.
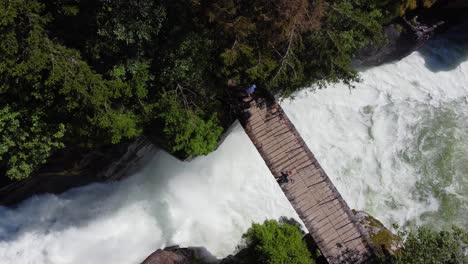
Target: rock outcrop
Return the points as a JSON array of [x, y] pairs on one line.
[[384, 243], [60, 175], [161, 256], [176, 255], [384, 240], [408, 34]]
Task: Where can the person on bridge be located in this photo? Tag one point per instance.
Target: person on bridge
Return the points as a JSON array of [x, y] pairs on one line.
[[251, 90], [283, 178]]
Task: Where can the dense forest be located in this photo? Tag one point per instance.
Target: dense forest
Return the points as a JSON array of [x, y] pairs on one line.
[[86, 73]]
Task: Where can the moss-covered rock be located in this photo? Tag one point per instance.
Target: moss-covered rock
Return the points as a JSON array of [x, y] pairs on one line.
[[384, 240]]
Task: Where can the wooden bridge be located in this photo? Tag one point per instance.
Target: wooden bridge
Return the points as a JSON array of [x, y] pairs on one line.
[[329, 220]]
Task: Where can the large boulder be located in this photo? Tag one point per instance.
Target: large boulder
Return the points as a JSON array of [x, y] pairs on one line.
[[176, 255], [399, 43], [161, 256], [384, 240], [407, 34]]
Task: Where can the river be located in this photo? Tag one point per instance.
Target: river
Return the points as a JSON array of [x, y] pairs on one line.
[[395, 146]]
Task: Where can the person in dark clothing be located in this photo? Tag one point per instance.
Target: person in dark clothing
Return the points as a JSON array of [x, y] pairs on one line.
[[283, 178]]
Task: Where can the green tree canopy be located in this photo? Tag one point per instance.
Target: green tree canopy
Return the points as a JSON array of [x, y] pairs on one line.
[[186, 131], [397, 8], [285, 45], [85, 73], [26, 141], [274, 242], [51, 96], [348, 26], [425, 245]]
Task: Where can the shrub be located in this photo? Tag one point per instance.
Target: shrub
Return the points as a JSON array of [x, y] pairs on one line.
[[274, 242]]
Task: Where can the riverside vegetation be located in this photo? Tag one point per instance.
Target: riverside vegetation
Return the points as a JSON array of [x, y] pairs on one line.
[[277, 242], [82, 74]]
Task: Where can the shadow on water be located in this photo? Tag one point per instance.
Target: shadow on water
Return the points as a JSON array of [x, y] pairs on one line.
[[446, 51], [81, 206]]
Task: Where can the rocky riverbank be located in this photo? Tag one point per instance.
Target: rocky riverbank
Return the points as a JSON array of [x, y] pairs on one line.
[[408, 34], [384, 242], [70, 170], [177, 255]]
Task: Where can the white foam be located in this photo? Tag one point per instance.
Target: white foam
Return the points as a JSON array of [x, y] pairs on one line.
[[360, 137], [208, 202]]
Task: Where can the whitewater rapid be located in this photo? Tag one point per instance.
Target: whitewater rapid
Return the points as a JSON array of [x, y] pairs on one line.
[[396, 146]]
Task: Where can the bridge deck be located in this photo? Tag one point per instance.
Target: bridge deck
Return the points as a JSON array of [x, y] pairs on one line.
[[314, 197]]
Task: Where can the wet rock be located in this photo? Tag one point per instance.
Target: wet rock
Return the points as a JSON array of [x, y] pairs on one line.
[[176, 255], [166, 257], [398, 44], [384, 240], [405, 35], [69, 170]]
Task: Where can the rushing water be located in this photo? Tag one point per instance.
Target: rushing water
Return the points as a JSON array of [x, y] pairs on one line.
[[396, 146]]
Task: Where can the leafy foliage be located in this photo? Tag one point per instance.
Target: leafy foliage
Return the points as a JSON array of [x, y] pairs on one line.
[[348, 27], [428, 246], [263, 40], [188, 70], [130, 21], [125, 28], [425, 245], [291, 44], [186, 131], [53, 95], [274, 242], [396, 8], [85, 73], [26, 141]]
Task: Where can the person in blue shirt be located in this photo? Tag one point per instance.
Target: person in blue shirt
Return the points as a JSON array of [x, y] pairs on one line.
[[251, 90]]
